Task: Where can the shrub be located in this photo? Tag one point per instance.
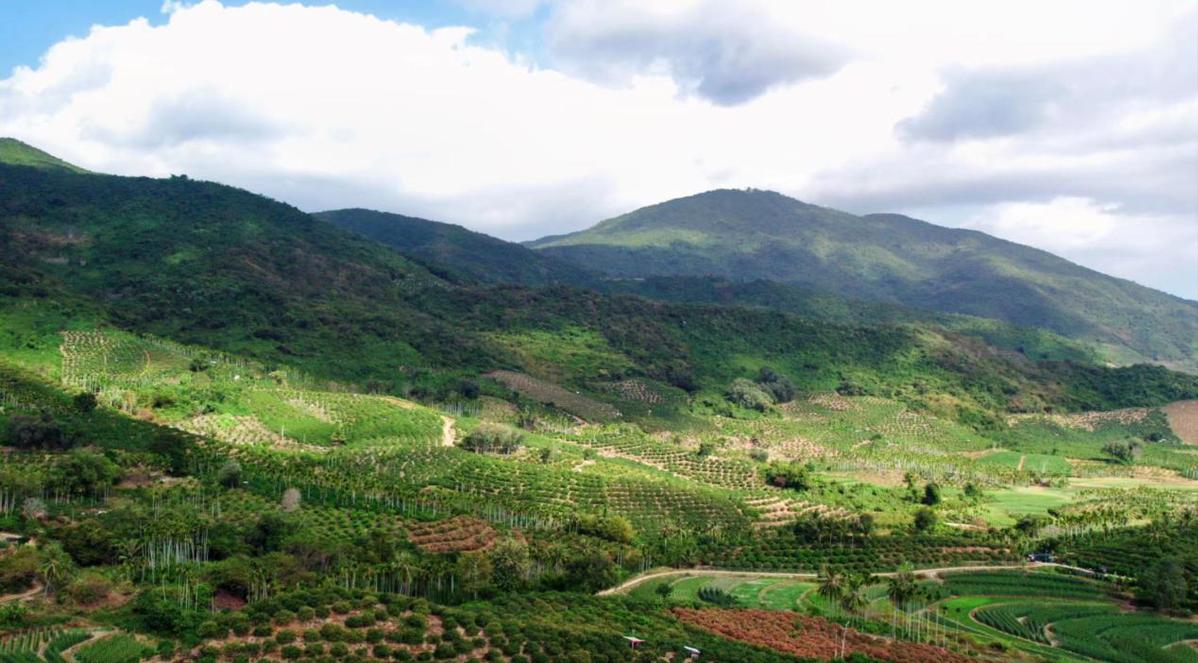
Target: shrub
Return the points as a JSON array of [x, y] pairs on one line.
[[84, 402], [493, 438], [792, 475], [748, 395], [89, 588], [41, 432], [779, 387], [229, 474], [925, 519]]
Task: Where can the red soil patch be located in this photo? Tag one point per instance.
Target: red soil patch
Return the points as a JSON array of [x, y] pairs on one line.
[[227, 601], [457, 534], [809, 637], [1183, 419]]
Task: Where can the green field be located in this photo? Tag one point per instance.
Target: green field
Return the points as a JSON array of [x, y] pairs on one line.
[[231, 431]]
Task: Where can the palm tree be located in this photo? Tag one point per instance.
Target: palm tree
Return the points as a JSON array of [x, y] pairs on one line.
[[853, 600], [54, 567], [831, 585], [128, 551], [900, 589]]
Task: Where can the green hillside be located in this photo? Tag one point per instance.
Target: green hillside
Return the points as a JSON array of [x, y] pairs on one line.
[[748, 235], [204, 263], [231, 431], [14, 152], [470, 256], [464, 256]]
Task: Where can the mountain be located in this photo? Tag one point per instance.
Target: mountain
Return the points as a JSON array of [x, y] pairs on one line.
[[750, 234], [467, 254], [464, 256], [213, 265], [14, 152], [203, 262]]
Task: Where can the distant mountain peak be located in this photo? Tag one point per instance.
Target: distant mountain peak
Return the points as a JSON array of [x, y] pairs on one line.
[[755, 234], [17, 153]]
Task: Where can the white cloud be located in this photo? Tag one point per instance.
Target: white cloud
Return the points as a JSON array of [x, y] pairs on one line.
[[325, 108], [1133, 246]]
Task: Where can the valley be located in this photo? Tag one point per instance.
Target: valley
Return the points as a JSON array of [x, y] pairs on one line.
[[233, 431]]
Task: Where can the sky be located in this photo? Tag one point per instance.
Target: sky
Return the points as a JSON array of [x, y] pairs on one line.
[[1069, 125]]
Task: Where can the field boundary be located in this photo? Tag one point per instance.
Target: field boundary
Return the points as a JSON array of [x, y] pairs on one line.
[[786, 575]]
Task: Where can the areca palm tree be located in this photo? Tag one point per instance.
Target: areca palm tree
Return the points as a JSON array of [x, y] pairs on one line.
[[900, 589], [854, 599], [831, 585], [54, 567], [128, 551]]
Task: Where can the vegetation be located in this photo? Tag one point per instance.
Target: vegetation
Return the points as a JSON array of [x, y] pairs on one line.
[[233, 432], [744, 235]]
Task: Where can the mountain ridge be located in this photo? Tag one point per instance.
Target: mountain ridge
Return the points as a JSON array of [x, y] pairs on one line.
[[18, 153], [469, 254], [747, 235], [199, 262]]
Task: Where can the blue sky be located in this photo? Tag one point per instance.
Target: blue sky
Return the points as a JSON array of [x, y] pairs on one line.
[[1071, 126], [29, 27]]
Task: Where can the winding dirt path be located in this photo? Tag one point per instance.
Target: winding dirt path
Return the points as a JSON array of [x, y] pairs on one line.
[[22, 596], [749, 575], [447, 433]]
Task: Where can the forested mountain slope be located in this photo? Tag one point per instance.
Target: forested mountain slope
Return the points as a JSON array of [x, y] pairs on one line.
[[750, 234]]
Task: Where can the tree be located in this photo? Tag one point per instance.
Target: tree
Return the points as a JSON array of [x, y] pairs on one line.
[[664, 590], [474, 572], [591, 571], [40, 432], [865, 524], [229, 474], [1166, 585], [510, 564], [85, 472], [1030, 525], [925, 519], [54, 568], [853, 599], [779, 387], [469, 389], [792, 475], [748, 395], [493, 438], [931, 494], [612, 527], [705, 449], [1124, 452], [270, 531], [84, 402], [832, 585], [901, 589]]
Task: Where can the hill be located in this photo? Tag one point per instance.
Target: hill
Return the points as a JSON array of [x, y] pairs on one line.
[[209, 264], [462, 254], [14, 152], [749, 235], [197, 261], [360, 456]]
